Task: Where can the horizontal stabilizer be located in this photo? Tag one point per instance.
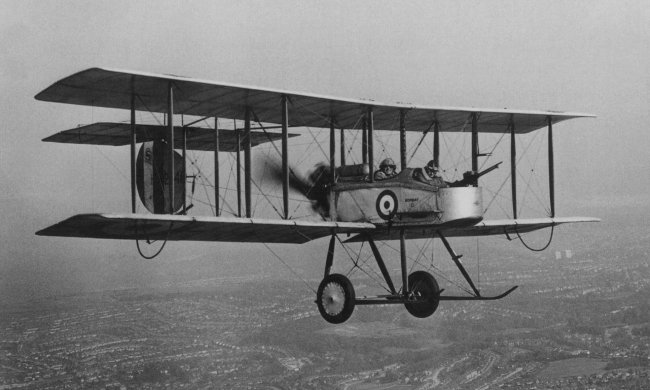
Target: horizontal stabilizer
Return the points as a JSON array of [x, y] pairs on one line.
[[119, 134], [186, 228]]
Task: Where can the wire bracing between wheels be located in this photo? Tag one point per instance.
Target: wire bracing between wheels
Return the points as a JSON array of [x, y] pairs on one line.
[[355, 265], [533, 249], [137, 242], [289, 267]]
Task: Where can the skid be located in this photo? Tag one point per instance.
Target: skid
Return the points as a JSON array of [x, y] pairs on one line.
[[476, 297], [400, 299]]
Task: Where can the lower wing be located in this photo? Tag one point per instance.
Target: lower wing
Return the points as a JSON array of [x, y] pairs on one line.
[[186, 228], [483, 228]]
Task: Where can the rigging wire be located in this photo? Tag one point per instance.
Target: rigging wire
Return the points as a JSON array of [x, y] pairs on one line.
[[379, 137], [437, 271], [528, 188], [416, 147], [535, 178], [112, 163], [489, 154], [497, 193], [376, 278], [265, 197], [289, 268], [203, 180], [351, 143]]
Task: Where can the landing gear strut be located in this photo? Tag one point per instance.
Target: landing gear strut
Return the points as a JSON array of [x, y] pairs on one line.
[[420, 293]]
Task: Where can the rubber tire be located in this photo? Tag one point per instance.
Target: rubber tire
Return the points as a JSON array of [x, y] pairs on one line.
[[327, 294], [424, 286]]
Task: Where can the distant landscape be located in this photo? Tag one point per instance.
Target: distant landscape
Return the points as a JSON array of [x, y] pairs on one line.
[[580, 319]]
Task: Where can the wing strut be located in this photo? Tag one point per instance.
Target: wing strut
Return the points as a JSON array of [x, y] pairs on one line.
[[133, 148], [216, 167], [371, 149], [285, 156], [436, 140], [513, 166], [170, 143], [238, 136], [475, 152], [402, 139], [247, 162], [551, 175]]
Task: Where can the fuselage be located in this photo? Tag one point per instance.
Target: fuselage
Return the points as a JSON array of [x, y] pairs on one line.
[[402, 200]]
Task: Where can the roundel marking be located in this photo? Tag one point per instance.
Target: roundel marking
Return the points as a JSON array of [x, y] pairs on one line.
[[386, 204]]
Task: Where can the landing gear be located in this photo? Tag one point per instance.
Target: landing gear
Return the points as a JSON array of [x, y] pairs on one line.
[[335, 298], [424, 296], [420, 293]]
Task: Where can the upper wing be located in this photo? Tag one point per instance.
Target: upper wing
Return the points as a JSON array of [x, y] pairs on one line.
[[186, 228], [113, 89], [117, 134], [483, 228]]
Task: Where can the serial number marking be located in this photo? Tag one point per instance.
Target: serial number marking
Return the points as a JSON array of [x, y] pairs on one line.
[[411, 199]]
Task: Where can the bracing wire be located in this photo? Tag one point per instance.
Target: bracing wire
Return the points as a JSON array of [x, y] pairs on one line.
[[414, 149], [359, 264], [205, 183], [436, 270], [112, 163], [535, 178], [289, 267]]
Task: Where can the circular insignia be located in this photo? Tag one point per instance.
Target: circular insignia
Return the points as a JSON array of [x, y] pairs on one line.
[[386, 204]]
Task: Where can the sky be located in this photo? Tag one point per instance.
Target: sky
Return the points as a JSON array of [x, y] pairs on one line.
[[579, 56]]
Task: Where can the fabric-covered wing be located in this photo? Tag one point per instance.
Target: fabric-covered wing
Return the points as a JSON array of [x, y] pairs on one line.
[[118, 134], [186, 228], [113, 89], [483, 228]]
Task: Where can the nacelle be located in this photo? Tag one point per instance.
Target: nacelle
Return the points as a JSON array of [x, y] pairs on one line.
[[404, 201]]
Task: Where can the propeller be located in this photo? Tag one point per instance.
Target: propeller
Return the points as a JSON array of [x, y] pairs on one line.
[[314, 186]]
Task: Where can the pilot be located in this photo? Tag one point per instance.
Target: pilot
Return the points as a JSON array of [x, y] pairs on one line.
[[386, 169], [430, 175]]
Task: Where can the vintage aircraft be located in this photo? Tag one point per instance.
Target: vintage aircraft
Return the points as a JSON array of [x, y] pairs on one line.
[[350, 200]]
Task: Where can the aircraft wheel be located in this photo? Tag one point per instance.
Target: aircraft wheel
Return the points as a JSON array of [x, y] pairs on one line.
[[424, 292], [335, 298]]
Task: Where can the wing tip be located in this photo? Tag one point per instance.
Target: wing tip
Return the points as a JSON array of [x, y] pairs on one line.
[[46, 94]]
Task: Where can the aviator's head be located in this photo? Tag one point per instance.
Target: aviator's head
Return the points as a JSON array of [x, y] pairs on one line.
[[431, 168], [387, 165]]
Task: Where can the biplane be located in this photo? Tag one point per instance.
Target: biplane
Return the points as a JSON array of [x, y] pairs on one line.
[[350, 201]]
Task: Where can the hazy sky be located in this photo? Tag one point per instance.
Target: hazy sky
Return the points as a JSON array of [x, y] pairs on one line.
[[583, 56]]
